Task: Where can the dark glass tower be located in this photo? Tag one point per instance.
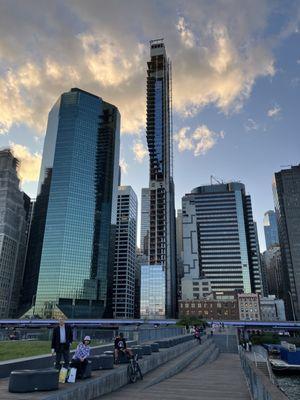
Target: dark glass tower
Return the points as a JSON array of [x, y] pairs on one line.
[[162, 244], [76, 208], [286, 190]]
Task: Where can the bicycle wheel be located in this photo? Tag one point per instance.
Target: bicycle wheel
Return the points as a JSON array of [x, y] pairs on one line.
[[139, 371], [131, 374]]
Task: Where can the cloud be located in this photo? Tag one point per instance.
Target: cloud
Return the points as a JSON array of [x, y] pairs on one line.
[[124, 166], [30, 164], [274, 112], [251, 125], [216, 56], [200, 141], [140, 151]]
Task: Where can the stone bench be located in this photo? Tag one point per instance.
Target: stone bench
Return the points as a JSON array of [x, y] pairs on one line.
[[106, 361], [23, 381], [154, 347]]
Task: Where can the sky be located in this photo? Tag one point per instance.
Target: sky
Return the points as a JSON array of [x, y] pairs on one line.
[[235, 80]]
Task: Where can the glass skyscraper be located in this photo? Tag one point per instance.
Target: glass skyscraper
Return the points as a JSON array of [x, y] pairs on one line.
[[162, 230], [270, 229], [286, 190], [76, 207], [219, 239]]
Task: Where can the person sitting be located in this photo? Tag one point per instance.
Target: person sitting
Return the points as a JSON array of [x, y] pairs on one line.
[[121, 346], [79, 360]]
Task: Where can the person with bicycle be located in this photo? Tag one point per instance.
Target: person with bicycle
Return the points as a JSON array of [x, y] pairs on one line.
[[121, 346]]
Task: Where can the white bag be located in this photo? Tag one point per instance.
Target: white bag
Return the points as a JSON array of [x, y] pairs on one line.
[[72, 375]]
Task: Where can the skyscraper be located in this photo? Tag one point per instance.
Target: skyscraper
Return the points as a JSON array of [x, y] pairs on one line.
[[162, 242], [286, 190], [270, 229], [13, 237], [219, 239], [145, 221], [125, 254], [76, 206]]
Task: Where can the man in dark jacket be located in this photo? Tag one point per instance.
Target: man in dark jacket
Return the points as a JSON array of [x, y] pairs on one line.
[[62, 337]]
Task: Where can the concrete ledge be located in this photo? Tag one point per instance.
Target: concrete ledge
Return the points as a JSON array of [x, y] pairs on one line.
[[45, 361]]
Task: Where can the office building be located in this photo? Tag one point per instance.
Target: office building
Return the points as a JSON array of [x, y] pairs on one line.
[[153, 301], [162, 241], [209, 309], [272, 309], [249, 307], [141, 259], [13, 224], [219, 239], [195, 288], [179, 251], [270, 229], [286, 190], [125, 254], [76, 207], [145, 221], [272, 267]]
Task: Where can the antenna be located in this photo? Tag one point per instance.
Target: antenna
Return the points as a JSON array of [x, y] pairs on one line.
[[213, 178]]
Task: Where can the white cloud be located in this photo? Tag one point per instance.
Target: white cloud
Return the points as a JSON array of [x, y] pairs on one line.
[[124, 166], [200, 141], [273, 112], [30, 164], [140, 151], [251, 125]]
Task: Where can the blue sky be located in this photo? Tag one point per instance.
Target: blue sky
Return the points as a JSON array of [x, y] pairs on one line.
[[236, 80]]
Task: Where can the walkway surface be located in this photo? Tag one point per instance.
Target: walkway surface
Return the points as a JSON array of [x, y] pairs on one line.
[[221, 379]]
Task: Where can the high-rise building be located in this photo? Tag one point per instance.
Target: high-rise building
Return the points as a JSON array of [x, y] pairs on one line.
[[162, 242], [13, 224], [272, 268], [270, 229], [179, 251], [219, 239], [125, 254], [76, 207], [286, 190], [145, 221]]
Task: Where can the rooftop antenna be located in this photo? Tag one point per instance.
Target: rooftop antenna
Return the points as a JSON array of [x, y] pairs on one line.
[[213, 178]]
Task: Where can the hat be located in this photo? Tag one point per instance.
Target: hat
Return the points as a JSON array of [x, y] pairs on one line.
[[87, 338]]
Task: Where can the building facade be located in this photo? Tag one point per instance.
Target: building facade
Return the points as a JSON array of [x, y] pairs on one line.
[[77, 207], [273, 270], [162, 243], [272, 309], [13, 234], [270, 229], [125, 254], [286, 190], [195, 288], [210, 309], [145, 221], [249, 307], [219, 239], [153, 301]]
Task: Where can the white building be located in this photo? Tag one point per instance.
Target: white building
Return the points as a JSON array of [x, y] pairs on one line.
[[272, 309], [125, 254]]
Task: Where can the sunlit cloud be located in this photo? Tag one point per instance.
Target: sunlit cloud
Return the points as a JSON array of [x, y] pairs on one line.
[[251, 125], [140, 151], [200, 141], [30, 164]]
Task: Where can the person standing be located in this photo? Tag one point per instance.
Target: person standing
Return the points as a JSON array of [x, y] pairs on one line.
[[62, 338]]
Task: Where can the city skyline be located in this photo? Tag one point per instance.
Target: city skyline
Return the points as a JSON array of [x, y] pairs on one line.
[[233, 115]]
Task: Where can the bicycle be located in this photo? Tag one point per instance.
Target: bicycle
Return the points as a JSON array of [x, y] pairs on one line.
[[134, 369]]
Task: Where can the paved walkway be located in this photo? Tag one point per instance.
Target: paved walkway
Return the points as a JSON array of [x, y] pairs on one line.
[[221, 379]]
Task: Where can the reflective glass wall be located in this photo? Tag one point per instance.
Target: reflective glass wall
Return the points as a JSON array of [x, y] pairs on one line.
[[153, 291], [74, 266]]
